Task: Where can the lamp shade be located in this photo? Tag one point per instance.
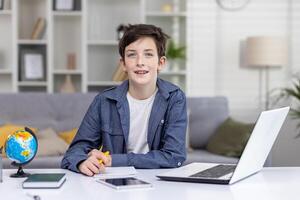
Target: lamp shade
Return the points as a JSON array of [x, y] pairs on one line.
[[266, 51]]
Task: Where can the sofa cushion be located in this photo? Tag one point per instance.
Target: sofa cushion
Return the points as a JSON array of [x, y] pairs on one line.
[[205, 156], [206, 115], [45, 162], [69, 135], [230, 138], [58, 111], [49, 144]]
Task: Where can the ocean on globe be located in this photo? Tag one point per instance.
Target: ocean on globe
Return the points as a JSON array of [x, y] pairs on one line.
[[21, 147]]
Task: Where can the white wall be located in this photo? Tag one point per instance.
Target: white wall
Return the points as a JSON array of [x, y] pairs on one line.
[[215, 40]]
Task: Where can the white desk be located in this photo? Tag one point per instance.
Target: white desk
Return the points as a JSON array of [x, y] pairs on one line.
[[270, 183]]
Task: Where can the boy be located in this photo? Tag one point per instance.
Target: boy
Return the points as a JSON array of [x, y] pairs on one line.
[[142, 122]]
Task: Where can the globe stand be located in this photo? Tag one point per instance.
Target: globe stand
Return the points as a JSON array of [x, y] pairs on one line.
[[20, 173]]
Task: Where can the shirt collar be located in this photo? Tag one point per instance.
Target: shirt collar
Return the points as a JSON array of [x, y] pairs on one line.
[[119, 93]]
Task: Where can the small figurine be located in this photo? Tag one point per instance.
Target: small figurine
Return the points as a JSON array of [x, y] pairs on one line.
[[167, 7]]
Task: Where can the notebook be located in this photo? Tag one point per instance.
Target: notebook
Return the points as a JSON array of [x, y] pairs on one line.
[[117, 172], [45, 180], [252, 160]]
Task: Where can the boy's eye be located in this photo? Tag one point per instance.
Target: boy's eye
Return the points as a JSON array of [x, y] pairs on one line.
[[149, 54], [131, 55]]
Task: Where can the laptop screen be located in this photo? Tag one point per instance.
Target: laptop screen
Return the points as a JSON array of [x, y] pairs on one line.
[[260, 143]]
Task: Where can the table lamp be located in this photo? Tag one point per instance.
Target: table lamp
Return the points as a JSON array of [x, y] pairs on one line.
[[263, 53]]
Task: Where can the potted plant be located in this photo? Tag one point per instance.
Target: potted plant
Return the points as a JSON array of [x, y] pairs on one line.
[[291, 93], [175, 53]]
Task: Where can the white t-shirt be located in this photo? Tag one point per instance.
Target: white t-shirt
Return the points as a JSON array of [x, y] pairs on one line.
[[139, 118]]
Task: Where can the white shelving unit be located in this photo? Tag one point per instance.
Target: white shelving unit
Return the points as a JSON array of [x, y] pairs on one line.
[[102, 46], [66, 37], [173, 22], [163, 14], [6, 51], [89, 32]]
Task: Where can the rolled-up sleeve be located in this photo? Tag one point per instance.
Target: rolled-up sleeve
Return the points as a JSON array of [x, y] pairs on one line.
[[87, 138]]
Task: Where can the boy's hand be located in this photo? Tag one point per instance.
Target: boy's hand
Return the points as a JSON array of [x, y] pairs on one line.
[[95, 163], [103, 158]]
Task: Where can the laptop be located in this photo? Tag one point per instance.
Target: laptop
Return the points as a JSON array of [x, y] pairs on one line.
[[252, 160]]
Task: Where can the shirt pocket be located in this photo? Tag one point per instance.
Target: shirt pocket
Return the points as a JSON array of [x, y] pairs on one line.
[[113, 136]]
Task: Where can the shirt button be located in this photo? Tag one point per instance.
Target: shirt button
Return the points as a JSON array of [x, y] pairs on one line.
[[162, 121], [179, 164]]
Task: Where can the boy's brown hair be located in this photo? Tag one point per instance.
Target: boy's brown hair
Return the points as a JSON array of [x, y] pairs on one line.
[[137, 31]]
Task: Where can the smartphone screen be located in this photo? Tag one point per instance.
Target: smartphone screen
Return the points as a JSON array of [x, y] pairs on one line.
[[120, 183]]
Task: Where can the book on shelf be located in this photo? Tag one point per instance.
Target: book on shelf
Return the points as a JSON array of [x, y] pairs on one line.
[[119, 74], [39, 29]]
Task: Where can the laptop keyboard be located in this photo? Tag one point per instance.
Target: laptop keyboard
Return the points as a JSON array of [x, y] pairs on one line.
[[215, 172]]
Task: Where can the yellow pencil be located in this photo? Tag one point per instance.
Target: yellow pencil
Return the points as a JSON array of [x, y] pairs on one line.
[[106, 153]]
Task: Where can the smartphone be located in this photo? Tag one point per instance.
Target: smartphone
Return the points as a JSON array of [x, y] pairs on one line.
[[125, 183]]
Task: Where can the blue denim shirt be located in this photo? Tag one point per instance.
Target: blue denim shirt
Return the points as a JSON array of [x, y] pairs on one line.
[[107, 123]]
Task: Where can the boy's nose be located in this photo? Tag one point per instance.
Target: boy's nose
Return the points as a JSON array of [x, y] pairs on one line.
[[140, 62]]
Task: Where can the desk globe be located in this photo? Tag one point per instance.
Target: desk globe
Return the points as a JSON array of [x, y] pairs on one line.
[[21, 147]]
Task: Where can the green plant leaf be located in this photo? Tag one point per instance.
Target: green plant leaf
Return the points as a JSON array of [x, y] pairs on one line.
[[174, 51], [292, 92]]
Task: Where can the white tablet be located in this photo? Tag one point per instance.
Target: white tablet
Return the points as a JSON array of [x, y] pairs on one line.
[[125, 183]]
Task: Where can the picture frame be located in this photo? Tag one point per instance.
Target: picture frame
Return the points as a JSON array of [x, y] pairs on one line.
[[1, 4], [32, 65], [64, 5]]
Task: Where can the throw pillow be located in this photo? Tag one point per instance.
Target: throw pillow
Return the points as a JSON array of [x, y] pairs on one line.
[[50, 144], [69, 135], [8, 129], [230, 138]]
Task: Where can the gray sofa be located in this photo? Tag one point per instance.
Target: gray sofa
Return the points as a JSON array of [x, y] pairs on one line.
[[65, 111], [206, 114]]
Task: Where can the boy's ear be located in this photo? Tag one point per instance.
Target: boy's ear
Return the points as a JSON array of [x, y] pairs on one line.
[[162, 63], [122, 63]]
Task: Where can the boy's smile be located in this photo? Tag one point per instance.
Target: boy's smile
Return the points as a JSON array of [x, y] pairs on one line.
[[141, 71]]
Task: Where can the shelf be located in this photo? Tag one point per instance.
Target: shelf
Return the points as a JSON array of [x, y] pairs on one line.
[[67, 72], [5, 72], [103, 42], [103, 83], [5, 12], [67, 13], [32, 42], [165, 14], [86, 36], [32, 83]]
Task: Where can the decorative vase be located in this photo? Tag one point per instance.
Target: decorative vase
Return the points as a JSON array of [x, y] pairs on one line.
[[68, 86], [71, 61]]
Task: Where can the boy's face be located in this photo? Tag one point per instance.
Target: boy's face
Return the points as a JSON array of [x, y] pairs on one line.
[[141, 61]]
